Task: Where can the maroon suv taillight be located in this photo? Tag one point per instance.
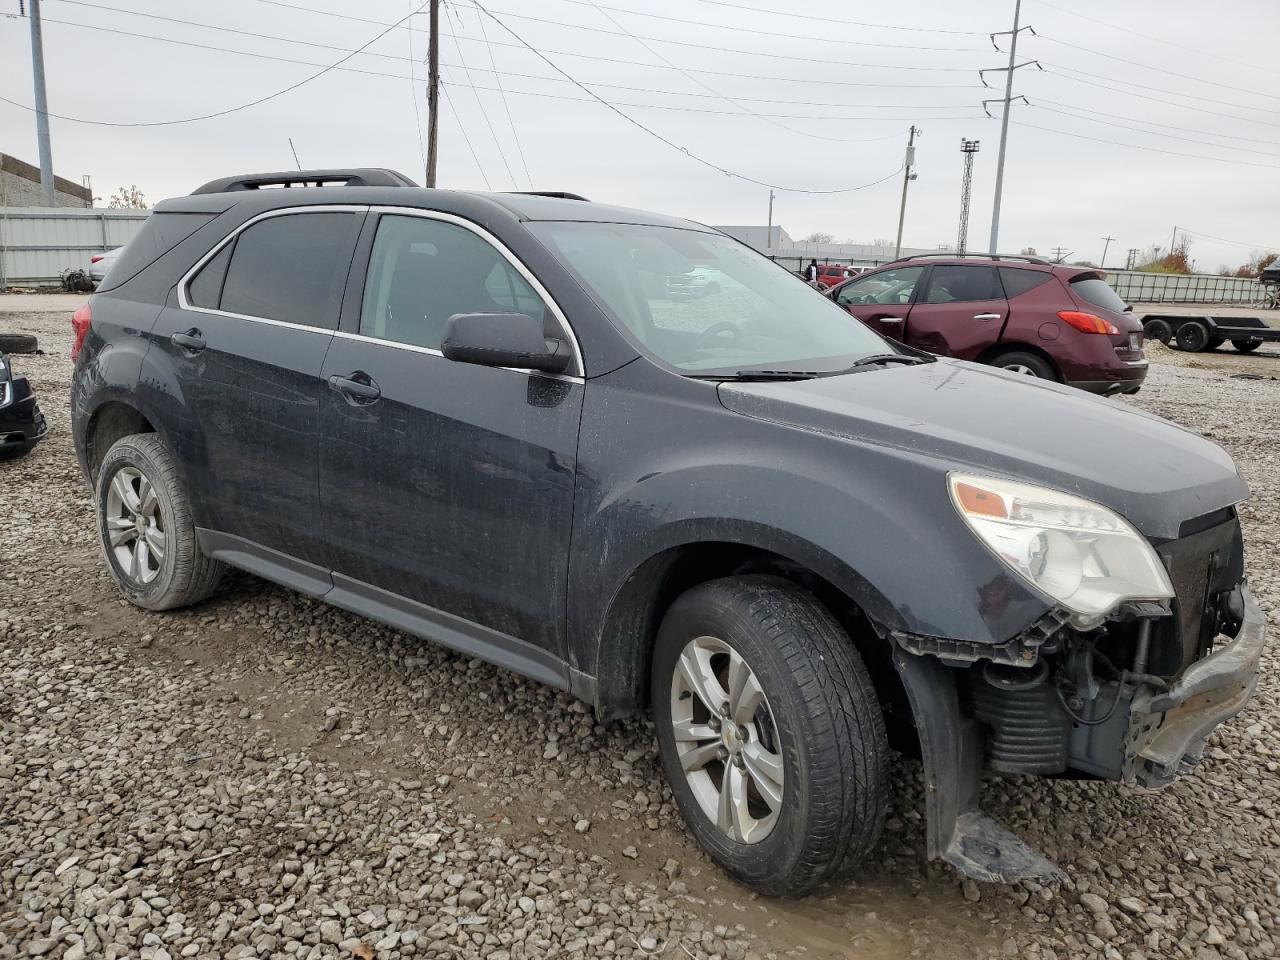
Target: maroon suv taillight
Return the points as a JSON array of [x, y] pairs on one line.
[[1088, 322], [80, 321]]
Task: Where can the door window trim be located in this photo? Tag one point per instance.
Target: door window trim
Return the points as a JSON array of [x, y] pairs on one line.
[[187, 305], [579, 367]]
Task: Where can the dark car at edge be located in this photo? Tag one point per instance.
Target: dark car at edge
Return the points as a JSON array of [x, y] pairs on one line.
[[486, 420]]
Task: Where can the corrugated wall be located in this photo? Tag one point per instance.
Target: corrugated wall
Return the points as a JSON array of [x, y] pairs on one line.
[[38, 243]]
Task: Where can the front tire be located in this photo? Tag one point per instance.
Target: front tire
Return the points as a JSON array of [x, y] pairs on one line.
[[146, 530], [1193, 336], [771, 734]]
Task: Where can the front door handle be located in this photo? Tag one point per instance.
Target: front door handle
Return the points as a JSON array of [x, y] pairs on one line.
[[357, 387], [190, 340], [986, 316], [886, 320]]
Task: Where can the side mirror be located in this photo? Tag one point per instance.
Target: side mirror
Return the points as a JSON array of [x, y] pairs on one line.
[[503, 340]]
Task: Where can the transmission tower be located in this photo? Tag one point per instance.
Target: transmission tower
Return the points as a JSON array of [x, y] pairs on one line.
[[968, 148]]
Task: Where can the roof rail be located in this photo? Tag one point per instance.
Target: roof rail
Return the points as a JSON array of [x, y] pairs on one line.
[[557, 194], [355, 177], [989, 256]]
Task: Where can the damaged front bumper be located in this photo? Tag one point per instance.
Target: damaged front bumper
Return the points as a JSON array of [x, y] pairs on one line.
[[1167, 729]]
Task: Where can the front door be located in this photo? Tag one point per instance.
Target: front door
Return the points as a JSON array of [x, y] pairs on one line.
[[960, 313], [882, 300], [247, 342], [446, 484]]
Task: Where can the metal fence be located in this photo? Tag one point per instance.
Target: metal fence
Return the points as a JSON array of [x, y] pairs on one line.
[[38, 243], [1135, 286], [797, 264]]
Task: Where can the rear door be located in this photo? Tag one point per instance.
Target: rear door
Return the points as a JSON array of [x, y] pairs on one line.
[[882, 300], [961, 311], [247, 340], [447, 484]]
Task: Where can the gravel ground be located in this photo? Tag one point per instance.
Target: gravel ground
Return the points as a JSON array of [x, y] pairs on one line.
[[264, 776]]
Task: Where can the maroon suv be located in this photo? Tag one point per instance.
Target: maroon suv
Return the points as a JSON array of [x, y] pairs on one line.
[[1025, 315]]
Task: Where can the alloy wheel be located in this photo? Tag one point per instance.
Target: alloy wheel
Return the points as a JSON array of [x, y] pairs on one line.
[[136, 529], [726, 740], [1021, 368]]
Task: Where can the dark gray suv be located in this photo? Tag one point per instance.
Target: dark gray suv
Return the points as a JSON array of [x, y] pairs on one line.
[[496, 421]]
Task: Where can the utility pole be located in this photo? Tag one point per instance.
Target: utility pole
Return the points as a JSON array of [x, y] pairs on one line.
[[968, 148], [433, 91], [908, 174], [1173, 242], [769, 235], [42, 108], [1004, 114], [1058, 254], [1106, 246], [1131, 259]]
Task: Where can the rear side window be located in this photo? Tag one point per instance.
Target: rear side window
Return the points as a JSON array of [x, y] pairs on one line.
[[160, 234], [1094, 290], [289, 268], [1017, 282], [961, 282], [205, 288], [423, 271]]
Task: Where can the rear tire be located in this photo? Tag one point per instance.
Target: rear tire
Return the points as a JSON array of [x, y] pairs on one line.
[[1158, 330], [1247, 346], [1193, 336], [146, 530], [18, 343], [1027, 364], [803, 750]]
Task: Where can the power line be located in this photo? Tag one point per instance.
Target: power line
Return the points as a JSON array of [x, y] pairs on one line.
[[1169, 136], [417, 115], [1237, 243], [462, 127], [1198, 51], [773, 34], [1143, 86], [1170, 103], [395, 76], [846, 22], [1162, 70], [1152, 123], [243, 106], [1136, 146], [476, 93], [712, 91], [671, 143], [505, 105]]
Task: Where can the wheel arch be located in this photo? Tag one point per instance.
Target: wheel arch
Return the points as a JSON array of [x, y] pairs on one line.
[[996, 350], [107, 424], [624, 641]]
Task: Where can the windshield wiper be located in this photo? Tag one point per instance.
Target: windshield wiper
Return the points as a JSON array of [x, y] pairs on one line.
[[877, 358], [746, 375]]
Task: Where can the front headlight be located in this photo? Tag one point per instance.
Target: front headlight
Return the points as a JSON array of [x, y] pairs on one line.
[[1081, 554]]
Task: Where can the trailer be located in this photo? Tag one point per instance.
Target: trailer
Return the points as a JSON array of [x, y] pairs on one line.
[[1196, 332]]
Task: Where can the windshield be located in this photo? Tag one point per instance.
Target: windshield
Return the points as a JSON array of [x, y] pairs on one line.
[[706, 304]]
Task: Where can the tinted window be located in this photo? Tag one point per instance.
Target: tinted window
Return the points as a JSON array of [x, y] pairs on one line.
[[424, 271], [1097, 292], [960, 283], [891, 286], [160, 234], [288, 268], [206, 286], [1017, 281]]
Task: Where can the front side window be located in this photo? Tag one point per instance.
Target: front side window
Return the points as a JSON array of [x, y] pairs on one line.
[[704, 303], [423, 271], [961, 283], [287, 268], [891, 286]]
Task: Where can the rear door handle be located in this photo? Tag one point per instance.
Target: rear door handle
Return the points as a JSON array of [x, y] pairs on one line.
[[357, 387], [986, 316], [190, 340]]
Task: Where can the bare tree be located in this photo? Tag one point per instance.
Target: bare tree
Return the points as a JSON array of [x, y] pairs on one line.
[[819, 236], [128, 198]]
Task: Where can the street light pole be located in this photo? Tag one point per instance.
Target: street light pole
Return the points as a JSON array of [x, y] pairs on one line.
[[47, 197]]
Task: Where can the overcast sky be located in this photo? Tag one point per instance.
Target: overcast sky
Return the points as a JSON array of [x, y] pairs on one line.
[[795, 99]]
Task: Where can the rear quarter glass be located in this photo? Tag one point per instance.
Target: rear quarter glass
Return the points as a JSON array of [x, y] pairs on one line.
[[1096, 292], [1017, 282], [160, 234]]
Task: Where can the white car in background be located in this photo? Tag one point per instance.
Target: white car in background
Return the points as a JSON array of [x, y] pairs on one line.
[[100, 263]]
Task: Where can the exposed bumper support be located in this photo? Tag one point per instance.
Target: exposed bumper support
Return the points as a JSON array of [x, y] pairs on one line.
[[1167, 730], [950, 746]]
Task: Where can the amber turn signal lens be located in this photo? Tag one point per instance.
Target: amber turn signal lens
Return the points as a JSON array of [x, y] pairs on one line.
[[984, 503]]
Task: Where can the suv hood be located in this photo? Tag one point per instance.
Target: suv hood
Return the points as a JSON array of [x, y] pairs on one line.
[[976, 418]]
